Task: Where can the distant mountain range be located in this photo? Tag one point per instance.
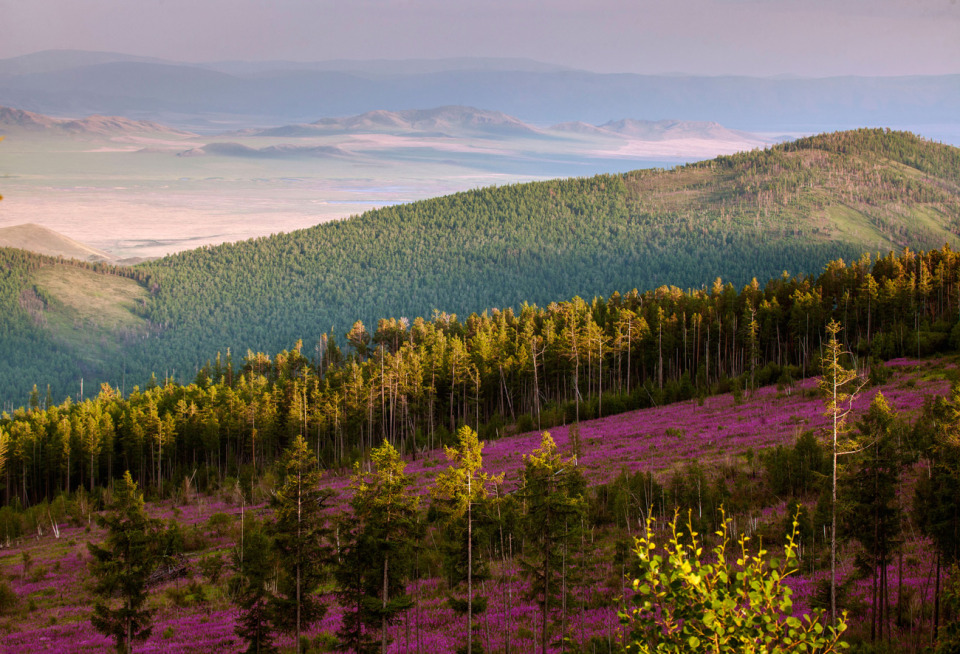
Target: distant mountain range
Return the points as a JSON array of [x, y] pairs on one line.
[[437, 123], [460, 120], [442, 120], [209, 96], [271, 152]]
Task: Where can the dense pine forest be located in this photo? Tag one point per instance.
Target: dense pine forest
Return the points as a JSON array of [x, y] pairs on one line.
[[792, 207]]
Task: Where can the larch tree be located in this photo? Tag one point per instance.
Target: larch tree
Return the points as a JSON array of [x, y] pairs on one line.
[[457, 491], [835, 385], [553, 490]]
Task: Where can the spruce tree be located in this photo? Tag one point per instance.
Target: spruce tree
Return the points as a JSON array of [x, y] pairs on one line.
[[372, 583], [121, 566], [254, 568], [869, 498], [936, 503]]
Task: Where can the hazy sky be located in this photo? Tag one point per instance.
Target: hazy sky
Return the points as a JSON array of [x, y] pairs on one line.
[[753, 37]]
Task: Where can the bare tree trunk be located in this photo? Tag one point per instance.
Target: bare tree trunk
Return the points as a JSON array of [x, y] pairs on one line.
[[469, 568], [833, 521], [383, 619]]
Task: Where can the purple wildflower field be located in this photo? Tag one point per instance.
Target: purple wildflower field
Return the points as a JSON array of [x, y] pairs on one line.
[[52, 586]]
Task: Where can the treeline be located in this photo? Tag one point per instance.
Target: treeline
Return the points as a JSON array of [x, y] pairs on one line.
[[414, 384]]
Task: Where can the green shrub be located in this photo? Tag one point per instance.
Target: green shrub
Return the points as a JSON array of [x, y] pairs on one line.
[[8, 598], [685, 604], [221, 523]]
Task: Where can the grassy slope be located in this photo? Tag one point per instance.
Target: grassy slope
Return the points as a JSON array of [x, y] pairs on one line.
[[46, 241], [63, 323], [91, 312], [793, 207]]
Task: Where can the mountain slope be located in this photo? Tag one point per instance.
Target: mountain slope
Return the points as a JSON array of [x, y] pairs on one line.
[[792, 207]]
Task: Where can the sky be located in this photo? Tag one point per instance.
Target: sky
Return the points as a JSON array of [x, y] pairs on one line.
[[710, 37]]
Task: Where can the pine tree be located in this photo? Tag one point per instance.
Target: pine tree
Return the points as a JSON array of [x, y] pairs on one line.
[[354, 584], [254, 568], [121, 566]]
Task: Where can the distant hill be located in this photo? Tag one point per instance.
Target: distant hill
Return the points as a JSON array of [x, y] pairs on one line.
[[37, 238], [662, 130], [56, 60], [381, 67], [18, 120], [48, 61], [284, 151], [441, 119], [449, 120], [792, 207]]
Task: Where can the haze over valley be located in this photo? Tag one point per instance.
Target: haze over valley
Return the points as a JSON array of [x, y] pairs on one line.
[[142, 156], [138, 189]]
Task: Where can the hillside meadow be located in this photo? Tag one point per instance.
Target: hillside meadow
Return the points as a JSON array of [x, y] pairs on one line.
[[722, 441]]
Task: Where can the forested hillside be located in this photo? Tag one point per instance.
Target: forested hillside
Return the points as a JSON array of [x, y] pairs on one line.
[[414, 384], [790, 208]]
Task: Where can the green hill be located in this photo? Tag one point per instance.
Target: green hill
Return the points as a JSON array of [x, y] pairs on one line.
[[792, 207]]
